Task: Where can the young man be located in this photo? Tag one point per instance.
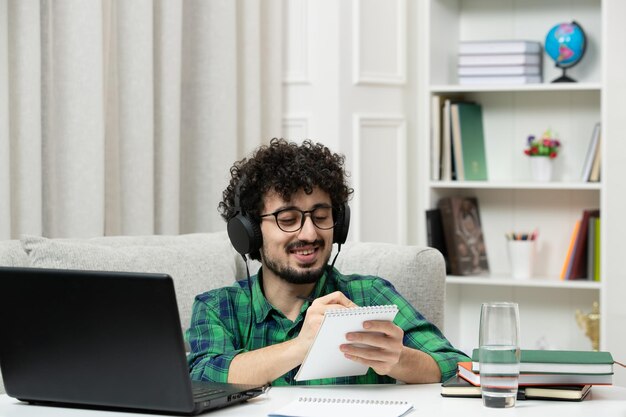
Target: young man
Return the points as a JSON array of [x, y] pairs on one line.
[[288, 201]]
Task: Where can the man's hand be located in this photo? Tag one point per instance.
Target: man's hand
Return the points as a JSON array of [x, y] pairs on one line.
[[315, 314], [378, 347]]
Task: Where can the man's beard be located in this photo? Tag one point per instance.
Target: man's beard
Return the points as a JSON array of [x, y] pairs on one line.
[[290, 275]]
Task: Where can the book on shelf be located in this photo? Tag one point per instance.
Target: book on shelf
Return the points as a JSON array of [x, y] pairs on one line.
[[446, 142], [324, 359], [511, 46], [442, 163], [567, 263], [500, 70], [579, 256], [500, 59], [528, 378], [590, 157], [597, 270], [468, 141], [559, 361], [440, 140], [457, 149], [435, 137], [500, 79], [594, 175], [434, 234], [591, 248], [459, 387], [467, 253]]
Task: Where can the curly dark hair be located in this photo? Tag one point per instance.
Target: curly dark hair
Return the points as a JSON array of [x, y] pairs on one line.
[[286, 168]]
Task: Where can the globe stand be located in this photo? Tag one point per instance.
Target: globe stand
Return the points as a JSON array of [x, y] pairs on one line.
[[564, 78]]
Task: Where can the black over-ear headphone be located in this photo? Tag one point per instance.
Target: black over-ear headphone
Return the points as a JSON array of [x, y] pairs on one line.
[[340, 232], [245, 233]]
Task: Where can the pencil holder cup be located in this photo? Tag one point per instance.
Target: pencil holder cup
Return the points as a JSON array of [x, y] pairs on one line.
[[521, 257]]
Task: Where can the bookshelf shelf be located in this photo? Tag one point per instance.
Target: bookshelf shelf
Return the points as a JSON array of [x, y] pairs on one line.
[[516, 185], [456, 88], [535, 282]]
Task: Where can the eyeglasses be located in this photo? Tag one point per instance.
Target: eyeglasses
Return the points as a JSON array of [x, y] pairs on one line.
[[291, 220]]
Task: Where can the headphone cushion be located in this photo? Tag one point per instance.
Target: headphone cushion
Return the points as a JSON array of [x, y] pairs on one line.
[[244, 234], [340, 234]]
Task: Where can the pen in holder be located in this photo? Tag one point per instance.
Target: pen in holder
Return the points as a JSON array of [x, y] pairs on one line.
[[521, 249]]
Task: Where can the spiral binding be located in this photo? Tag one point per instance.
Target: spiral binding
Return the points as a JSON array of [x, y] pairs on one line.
[[330, 400], [361, 310]]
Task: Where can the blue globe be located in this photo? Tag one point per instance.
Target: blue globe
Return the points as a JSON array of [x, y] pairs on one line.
[[565, 44]]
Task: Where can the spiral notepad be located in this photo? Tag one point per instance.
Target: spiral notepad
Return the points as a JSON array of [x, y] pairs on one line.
[[341, 406], [324, 359]]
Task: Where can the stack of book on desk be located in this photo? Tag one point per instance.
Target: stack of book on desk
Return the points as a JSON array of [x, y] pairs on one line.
[[499, 62], [544, 374]]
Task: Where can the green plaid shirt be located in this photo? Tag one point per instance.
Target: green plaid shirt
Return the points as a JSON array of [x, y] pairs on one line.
[[220, 328]]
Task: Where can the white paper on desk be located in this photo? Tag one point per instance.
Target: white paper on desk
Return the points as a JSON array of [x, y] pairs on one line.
[[328, 406], [324, 359]]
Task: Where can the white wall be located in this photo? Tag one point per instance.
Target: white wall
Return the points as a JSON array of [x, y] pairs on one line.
[[347, 84]]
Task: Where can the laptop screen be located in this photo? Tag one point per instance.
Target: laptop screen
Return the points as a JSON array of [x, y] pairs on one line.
[[96, 338]]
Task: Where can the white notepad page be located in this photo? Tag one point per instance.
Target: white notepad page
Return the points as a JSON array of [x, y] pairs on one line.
[[324, 359]]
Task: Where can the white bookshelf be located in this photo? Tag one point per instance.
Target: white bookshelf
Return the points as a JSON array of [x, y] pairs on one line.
[[510, 200]]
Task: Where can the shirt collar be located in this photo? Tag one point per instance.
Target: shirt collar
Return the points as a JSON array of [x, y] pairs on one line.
[[262, 307]]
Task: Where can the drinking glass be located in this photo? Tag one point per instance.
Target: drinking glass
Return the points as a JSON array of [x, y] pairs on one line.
[[499, 353]]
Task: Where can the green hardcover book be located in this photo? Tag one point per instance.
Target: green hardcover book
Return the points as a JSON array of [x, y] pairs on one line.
[[560, 361], [472, 141]]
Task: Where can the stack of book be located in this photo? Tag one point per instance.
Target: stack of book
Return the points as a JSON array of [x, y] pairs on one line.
[[458, 150], [544, 374], [499, 62]]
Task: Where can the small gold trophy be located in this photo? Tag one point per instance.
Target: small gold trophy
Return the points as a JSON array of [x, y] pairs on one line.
[[590, 323]]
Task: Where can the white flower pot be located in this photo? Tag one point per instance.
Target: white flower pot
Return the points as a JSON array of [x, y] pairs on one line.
[[541, 168]]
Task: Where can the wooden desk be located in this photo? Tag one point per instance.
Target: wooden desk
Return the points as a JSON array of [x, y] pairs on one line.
[[602, 402]]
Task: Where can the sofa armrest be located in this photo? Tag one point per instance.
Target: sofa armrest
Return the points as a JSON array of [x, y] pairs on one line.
[[418, 273]]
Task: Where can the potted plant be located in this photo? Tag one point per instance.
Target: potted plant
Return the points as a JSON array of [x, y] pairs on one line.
[[542, 152]]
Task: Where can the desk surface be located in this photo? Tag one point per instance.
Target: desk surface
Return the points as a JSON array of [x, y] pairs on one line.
[[602, 401]]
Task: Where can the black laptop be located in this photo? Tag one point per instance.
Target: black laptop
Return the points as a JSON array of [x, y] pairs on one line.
[[100, 340]]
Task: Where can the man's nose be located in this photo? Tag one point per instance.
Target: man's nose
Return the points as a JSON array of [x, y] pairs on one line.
[[308, 231]]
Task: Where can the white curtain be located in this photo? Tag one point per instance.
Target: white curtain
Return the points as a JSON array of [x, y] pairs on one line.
[[123, 117]]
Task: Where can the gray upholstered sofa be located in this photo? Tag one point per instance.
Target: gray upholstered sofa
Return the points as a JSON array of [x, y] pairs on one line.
[[202, 261]]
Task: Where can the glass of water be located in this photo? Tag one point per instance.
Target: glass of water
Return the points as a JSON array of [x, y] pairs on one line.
[[499, 353]]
